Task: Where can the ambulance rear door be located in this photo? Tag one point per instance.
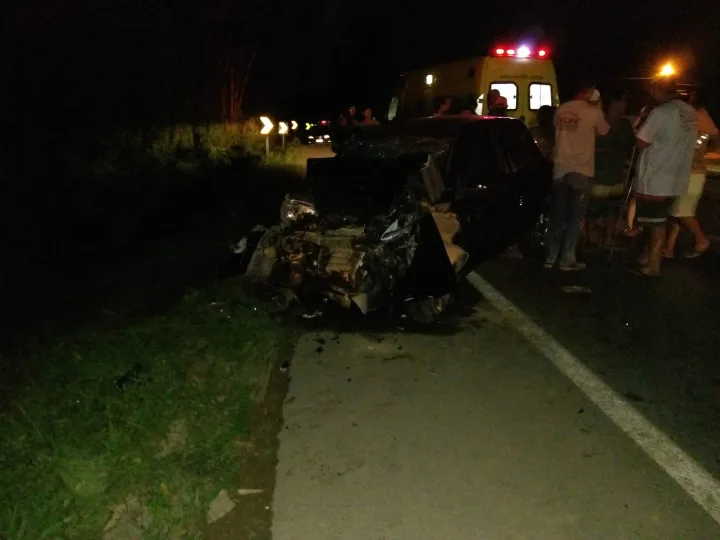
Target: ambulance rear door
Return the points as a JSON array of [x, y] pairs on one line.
[[524, 76]]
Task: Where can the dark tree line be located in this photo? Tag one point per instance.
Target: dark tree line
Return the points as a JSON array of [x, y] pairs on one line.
[[131, 62]]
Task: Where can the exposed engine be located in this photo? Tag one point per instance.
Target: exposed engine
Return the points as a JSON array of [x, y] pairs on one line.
[[342, 259]]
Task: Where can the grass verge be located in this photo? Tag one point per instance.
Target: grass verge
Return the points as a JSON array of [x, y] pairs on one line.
[[130, 425], [148, 418]]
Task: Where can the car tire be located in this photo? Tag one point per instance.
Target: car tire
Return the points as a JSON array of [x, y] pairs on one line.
[[532, 242], [428, 310]]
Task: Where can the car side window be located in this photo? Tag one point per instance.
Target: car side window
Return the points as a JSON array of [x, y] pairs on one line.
[[517, 150], [487, 159], [476, 164]]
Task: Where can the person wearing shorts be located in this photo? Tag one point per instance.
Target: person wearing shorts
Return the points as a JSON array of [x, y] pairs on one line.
[[683, 211], [667, 144]]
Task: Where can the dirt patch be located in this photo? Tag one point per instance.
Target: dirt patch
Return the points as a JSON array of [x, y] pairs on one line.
[[252, 516]]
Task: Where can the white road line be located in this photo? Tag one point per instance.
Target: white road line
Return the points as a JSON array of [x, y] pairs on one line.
[[692, 477]]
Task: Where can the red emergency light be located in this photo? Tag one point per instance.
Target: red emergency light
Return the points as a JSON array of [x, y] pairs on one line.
[[523, 51]]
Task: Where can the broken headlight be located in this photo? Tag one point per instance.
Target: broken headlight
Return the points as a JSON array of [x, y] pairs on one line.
[[397, 230], [293, 209]]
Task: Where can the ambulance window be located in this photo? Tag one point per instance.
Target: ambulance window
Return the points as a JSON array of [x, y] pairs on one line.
[[507, 90], [540, 95]]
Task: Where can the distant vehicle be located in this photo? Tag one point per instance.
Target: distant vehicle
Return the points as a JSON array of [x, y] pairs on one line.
[[523, 75], [320, 133], [395, 217]]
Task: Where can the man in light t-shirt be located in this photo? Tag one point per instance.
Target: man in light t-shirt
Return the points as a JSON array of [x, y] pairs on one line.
[[667, 141], [577, 123]]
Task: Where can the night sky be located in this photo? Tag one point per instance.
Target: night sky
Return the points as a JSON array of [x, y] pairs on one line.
[[133, 61]]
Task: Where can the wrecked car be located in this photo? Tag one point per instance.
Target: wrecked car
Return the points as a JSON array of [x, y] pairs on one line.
[[395, 217]]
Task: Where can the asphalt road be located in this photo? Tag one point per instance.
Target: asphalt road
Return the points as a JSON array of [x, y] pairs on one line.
[[535, 413]]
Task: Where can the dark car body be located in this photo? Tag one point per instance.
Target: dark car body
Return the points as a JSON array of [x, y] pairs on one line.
[[493, 174], [398, 212]]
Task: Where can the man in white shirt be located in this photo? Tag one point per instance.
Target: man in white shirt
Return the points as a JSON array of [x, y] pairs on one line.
[[577, 123], [667, 141]]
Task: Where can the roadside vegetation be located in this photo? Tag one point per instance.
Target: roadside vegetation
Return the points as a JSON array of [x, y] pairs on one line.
[[127, 384]]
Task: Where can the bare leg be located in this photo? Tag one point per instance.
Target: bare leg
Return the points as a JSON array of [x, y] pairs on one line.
[[643, 258], [657, 242], [673, 230], [632, 207], [693, 225]]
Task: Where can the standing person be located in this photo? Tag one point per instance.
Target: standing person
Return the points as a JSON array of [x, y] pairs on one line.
[[577, 123], [667, 141], [348, 119], [612, 152], [492, 96], [368, 118], [544, 131], [683, 210], [499, 107], [443, 105], [630, 229]]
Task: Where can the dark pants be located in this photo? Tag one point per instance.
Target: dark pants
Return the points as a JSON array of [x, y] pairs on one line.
[[568, 210]]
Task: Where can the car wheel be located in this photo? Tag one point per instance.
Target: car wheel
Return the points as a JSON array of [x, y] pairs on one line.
[[428, 310], [532, 242]]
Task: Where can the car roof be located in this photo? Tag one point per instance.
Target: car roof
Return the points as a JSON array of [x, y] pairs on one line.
[[448, 126]]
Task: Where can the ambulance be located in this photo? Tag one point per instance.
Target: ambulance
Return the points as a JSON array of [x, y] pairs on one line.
[[523, 74]]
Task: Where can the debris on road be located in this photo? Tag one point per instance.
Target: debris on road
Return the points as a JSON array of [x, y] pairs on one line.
[[175, 439], [128, 521], [575, 289], [635, 398], [220, 507], [247, 491]]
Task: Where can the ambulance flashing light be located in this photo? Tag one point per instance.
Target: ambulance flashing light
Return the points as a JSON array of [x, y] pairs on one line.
[[523, 51]]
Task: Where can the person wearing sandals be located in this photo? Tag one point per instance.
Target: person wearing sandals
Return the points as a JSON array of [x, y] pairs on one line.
[[667, 144], [611, 154], [683, 211], [630, 229]]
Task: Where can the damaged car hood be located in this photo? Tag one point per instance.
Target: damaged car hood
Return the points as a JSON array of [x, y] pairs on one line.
[[367, 178]]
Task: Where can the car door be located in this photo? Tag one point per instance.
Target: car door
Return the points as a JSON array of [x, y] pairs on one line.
[[499, 182]]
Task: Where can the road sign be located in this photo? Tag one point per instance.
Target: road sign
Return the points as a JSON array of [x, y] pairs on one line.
[[282, 128], [308, 125], [293, 125], [267, 125]]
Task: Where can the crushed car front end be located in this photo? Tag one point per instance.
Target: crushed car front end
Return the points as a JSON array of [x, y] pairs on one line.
[[367, 234]]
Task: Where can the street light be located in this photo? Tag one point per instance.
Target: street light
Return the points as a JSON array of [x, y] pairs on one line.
[[668, 70]]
